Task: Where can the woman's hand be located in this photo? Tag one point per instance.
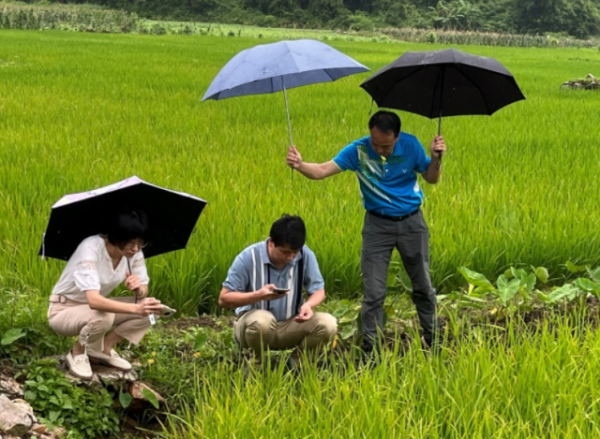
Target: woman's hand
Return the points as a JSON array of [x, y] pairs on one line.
[[148, 306], [132, 282]]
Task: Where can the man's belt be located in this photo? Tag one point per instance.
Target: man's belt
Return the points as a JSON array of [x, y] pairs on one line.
[[394, 218]]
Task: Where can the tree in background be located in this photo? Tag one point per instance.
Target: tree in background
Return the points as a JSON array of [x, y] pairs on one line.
[[458, 14], [580, 18], [497, 16], [400, 13]]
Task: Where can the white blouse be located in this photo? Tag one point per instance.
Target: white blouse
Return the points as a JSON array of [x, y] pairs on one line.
[[91, 268]]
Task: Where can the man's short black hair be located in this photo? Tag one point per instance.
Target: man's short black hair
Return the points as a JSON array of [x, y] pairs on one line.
[[288, 230], [386, 122], [127, 226]]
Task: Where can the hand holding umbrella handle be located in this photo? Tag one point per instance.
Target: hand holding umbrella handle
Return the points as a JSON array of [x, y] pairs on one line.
[[439, 153], [289, 122], [128, 274], [439, 163]]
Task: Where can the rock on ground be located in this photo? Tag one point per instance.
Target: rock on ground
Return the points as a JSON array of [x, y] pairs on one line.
[[14, 421]]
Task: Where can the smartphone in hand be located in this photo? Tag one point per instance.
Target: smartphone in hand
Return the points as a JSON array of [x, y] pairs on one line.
[[280, 290], [167, 311]]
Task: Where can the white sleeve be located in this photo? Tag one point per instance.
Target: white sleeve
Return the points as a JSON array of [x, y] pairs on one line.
[[86, 268], [139, 268]]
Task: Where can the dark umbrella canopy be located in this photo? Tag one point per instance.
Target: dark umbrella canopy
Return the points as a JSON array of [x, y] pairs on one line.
[[443, 83], [172, 216]]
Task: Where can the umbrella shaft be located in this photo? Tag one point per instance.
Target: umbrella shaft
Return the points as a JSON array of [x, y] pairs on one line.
[[287, 111], [441, 84]]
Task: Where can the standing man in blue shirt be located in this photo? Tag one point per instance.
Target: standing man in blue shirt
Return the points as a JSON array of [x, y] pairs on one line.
[[265, 285], [387, 163]]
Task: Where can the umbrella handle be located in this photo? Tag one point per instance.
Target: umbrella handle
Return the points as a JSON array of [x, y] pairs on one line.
[[43, 246], [441, 83], [287, 111], [439, 163], [129, 268]]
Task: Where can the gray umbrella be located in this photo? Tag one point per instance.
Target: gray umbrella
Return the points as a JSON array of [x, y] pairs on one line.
[[270, 68]]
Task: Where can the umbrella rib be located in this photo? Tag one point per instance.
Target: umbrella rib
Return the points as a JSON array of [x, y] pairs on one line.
[[329, 74], [478, 88], [437, 83], [293, 56], [396, 82], [326, 72], [234, 72]]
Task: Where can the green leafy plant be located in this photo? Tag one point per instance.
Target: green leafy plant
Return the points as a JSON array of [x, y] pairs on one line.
[[87, 413], [11, 336], [23, 344], [515, 288]]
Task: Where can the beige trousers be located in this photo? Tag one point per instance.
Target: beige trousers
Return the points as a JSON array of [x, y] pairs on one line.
[[72, 319], [259, 330]]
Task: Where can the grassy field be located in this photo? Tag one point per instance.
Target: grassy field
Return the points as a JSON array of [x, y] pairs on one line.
[[78, 111]]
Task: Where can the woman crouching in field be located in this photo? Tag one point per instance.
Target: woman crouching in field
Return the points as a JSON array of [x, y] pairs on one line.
[[79, 305]]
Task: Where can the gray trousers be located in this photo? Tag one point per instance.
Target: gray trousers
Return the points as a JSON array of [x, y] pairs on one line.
[[379, 238]]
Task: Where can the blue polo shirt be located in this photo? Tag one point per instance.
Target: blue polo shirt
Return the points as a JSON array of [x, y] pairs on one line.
[[388, 187], [252, 269]]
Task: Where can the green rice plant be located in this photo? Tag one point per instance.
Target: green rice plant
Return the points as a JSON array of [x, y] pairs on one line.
[[515, 383]]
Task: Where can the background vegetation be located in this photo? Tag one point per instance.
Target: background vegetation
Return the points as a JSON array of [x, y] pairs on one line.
[[579, 18]]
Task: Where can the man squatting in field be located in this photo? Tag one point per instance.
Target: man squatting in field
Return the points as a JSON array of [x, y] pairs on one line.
[[278, 319], [386, 164]]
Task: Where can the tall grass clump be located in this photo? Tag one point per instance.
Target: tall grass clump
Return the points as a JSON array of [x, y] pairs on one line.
[[515, 383]]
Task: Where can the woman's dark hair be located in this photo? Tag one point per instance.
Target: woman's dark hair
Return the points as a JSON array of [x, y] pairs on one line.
[[386, 122], [128, 225], [288, 230]]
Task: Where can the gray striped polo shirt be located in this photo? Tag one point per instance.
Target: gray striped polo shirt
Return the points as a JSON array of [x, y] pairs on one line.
[[252, 269]]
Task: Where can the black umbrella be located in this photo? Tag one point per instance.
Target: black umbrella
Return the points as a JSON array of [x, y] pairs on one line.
[[443, 83], [172, 216]]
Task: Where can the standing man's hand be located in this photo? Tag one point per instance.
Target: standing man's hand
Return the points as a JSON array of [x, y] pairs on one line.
[[294, 159], [438, 147], [305, 313]]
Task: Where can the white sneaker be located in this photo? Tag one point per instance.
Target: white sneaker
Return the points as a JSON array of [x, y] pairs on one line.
[[79, 365], [113, 360]]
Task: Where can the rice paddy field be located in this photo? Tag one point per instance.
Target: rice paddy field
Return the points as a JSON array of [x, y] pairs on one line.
[[79, 111]]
